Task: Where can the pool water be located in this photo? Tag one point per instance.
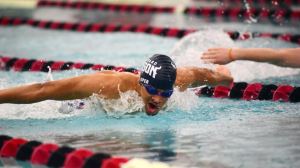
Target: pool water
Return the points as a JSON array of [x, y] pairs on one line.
[[192, 132]]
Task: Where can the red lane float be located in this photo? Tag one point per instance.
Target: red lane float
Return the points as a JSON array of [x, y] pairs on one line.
[[160, 31], [11, 147], [42, 153]]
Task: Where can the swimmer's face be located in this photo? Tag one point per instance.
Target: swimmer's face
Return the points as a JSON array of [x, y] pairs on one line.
[[154, 99]]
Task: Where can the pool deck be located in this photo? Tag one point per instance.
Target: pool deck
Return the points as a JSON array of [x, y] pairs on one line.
[[18, 3]]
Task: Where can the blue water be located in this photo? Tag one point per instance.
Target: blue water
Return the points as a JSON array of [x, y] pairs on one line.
[[193, 132]]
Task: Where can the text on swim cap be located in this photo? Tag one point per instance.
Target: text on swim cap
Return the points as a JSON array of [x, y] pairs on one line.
[[143, 80], [150, 68]]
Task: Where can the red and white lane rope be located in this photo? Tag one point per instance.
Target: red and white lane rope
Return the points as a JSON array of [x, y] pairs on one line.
[[34, 65], [160, 31], [274, 3], [232, 14]]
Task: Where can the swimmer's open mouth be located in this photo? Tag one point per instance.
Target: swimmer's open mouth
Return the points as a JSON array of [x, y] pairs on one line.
[[152, 109]]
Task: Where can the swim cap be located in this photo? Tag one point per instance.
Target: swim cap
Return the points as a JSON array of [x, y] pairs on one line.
[[159, 71]]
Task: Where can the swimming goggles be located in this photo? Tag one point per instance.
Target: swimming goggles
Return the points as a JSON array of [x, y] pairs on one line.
[[153, 91]]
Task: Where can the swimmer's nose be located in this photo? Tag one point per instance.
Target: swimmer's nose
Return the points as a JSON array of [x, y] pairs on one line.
[[157, 99]]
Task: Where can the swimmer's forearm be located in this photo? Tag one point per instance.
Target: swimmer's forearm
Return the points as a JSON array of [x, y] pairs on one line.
[[194, 77], [281, 57], [64, 89], [256, 54], [22, 94]]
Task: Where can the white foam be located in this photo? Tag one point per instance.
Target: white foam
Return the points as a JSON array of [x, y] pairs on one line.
[[41, 110], [179, 101], [188, 50], [129, 102]]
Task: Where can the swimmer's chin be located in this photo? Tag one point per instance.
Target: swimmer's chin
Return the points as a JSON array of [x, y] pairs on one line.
[[151, 109]]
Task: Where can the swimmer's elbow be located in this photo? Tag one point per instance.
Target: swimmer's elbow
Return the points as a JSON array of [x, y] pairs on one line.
[[37, 93], [228, 81], [220, 79]]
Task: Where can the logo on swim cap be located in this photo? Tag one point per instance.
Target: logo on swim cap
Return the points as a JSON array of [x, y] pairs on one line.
[[159, 71], [151, 68]]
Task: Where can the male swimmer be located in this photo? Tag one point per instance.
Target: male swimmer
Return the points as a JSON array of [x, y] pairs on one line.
[[154, 84]]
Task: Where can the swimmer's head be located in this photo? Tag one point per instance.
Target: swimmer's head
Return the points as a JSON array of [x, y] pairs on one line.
[[159, 71], [157, 78]]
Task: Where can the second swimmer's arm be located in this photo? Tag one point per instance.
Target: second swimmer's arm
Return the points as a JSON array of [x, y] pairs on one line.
[[281, 57]]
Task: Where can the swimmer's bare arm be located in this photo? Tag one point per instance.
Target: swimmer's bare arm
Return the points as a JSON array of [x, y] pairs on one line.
[[64, 89], [193, 77], [286, 57]]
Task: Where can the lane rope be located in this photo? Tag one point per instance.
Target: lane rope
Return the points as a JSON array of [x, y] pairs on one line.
[[233, 14], [34, 65], [160, 31], [53, 155], [257, 2]]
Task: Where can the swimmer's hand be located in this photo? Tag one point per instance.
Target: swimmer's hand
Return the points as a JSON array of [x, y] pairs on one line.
[[220, 56]]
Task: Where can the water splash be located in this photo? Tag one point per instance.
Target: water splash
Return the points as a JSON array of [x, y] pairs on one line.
[[129, 102], [188, 50], [250, 18], [49, 74], [184, 101]]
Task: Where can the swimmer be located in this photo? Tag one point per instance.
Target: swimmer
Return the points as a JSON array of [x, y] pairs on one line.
[[285, 57], [154, 84]]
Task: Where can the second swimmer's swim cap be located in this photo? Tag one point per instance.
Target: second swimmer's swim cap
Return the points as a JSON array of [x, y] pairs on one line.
[[159, 71]]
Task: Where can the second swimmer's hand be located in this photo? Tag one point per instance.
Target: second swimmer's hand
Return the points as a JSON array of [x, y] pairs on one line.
[[217, 56]]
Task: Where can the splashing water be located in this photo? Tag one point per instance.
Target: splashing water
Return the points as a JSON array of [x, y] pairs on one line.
[[187, 52], [49, 74], [251, 19], [178, 101], [129, 102]]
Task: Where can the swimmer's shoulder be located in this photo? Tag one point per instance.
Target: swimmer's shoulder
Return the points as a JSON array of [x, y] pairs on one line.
[[121, 75], [128, 79]]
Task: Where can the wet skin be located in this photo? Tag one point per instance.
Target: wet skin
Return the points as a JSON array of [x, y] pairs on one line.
[[109, 85]]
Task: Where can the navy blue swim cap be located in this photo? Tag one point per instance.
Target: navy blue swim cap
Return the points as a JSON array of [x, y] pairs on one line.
[[159, 71]]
